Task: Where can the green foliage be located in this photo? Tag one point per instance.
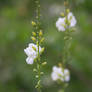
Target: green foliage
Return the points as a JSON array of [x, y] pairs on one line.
[[15, 31]]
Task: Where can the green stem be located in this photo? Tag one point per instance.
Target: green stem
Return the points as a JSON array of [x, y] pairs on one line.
[[66, 41], [66, 46], [38, 44], [39, 67]]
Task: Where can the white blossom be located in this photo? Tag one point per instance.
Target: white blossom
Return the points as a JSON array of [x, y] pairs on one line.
[[32, 52], [72, 19], [60, 24], [66, 75], [60, 74]]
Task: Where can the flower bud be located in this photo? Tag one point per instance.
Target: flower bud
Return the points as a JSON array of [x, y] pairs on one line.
[[67, 11], [40, 33], [42, 40], [34, 70], [33, 38], [33, 33], [33, 23], [37, 76], [66, 3], [41, 73], [38, 82], [62, 14], [44, 63], [36, 86], [60, 65], [42, 50], [34, 48], [66, 38]]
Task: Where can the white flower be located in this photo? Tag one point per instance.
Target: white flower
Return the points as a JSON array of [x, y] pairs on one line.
[[66, 75], [29, 60], [32, 52], [60, 74], [60, 24], [72, 19]]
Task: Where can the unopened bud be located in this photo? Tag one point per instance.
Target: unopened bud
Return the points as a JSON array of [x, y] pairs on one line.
[[66, 3], [40, 33], [42, 73], [60, 65], [37, 76], [33, 23], [34, 70], [42, 40], [44, 63], [66, 38], [62, 14], [67, 11], [42, 50], [33, 33], [33, 38], [34, 48], [36, 86]]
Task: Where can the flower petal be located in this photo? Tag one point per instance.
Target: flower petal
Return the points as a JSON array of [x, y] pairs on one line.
[[29, 60]]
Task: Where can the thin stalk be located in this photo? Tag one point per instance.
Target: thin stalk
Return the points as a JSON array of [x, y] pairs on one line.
[[39, 67], [66, 44], [38, 44]]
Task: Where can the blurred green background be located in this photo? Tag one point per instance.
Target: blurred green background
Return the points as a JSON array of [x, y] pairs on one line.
[[15, 32]]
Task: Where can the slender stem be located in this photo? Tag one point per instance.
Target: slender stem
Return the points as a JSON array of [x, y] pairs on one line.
[[39, 67], [38, 44], [67, 34], [66, 44]]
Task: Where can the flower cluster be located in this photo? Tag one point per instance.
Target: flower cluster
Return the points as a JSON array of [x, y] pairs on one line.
[[66, 23], [60, 74], [68, 20], [32, 52]]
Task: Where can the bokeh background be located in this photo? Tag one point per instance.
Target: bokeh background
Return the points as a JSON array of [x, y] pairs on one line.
[[15, 32]]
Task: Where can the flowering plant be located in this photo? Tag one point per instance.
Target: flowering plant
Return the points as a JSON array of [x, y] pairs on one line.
[[34, 50], [66, 24], [60, 74]]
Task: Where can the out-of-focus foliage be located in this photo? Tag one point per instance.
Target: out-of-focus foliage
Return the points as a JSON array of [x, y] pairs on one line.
[[15, 32]]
